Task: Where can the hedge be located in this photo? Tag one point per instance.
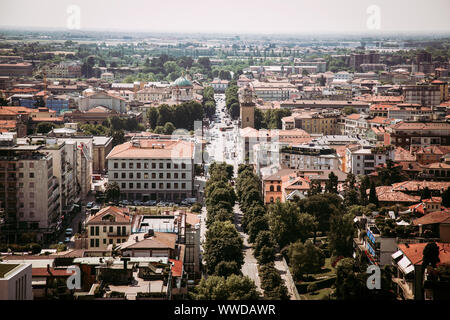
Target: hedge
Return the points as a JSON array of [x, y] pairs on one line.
[[321, 284]]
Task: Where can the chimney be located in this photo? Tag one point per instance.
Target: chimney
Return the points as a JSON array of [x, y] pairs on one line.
[[48, 270], [136, 239], [125, 262]]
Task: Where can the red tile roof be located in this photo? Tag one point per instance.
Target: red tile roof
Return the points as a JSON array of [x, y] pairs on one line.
[[121, 215], [177, 268], [414, 252], [43, 272], [433, 218]]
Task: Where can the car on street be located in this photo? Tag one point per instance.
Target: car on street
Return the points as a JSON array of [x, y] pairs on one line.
[[67, 239], [89, 205], [69, 231]]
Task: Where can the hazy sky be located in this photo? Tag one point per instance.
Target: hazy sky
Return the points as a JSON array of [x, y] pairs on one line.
[[231, 16]]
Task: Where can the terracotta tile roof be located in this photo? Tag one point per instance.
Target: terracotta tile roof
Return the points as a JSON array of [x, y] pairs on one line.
[[192, 219], [433, 218], [438, 165], [121, 215], [43, 272], [421, 126], [354, 116], [160, 240], [414, 252], [403, 155], [177, 268], [387, 194], [153, 149], [414, 185], [7, 124], [100, 109]]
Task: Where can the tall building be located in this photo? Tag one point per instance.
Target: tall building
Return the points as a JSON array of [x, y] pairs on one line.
[[29, 192], [247, 110], [153, 169], [425, 95], [15, 281]]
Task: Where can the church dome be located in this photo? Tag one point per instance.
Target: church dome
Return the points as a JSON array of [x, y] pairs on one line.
[[182, 82]]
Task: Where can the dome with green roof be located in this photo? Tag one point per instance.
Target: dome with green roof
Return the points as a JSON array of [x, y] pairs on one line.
[[182, 82]]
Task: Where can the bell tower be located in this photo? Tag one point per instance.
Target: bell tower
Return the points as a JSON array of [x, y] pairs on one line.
[[247, 108]]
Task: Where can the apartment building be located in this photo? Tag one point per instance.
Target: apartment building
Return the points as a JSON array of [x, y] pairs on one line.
[[274, 91], [109, 226], [29, 192], [15, 281], [314, 121], [153, 169], [424, 95], [62, 70], [102, 147], [362, 160], [420, 134], [309, 156]]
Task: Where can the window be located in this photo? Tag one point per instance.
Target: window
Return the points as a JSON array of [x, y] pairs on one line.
[[97, 230], [183, 185], [124, 185], [175, 185], [175, 175], [92, 231], [131, 186], [161, 175], [97, 243], [168, 175], [153, 175], [92, 244], [168, 165], [278, 188], [116, 165], [145, 165], [20, 174], [138, 175], [131, 165], [138, 165], [130, 175], [110, 241], [124, 175], [161, 185], [175, 165], [271, 188], [183, 165], [31, 165], [146, 185], [116, 175], [123, 165], [153, 185], [161, 165], [31, 174], [168, 185], [138, 185], [146, 175], [153, 165], [31, 185], [183, 176], [110, 229], [104, 229]]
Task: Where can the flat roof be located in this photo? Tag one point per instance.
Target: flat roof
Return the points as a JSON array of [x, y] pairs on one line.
[[5, 268]]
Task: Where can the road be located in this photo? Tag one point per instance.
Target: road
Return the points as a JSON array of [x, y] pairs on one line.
[[223, 148]]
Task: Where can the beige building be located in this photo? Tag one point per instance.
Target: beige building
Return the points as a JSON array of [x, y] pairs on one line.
[[153, 169], [15, 281], [109, 226], [102, 147], [247, 108]]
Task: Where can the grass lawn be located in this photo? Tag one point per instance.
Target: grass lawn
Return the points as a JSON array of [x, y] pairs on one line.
[[319, 294]]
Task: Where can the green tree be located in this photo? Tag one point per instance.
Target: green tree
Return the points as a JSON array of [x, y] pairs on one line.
[[350, 191], [235, 287], [431, 255], [331, 186], [112, 191], [315, 187], [373, 198], [283, 219], [305, 258], [44, 127], [222, 243], [364, 186], [341, 233]]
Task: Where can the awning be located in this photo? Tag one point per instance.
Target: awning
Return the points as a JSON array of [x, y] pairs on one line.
[[409, 269], [397, 254], [404, 263]]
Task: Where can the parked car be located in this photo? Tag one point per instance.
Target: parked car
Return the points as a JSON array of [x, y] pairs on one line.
[[67, 239], [69, 231], [89, 205], [137, 203]]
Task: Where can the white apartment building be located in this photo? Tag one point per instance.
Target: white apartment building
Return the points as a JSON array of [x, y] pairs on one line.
[[343, 76], [310, 157], [153, 169], [364, 159], [15, 281]]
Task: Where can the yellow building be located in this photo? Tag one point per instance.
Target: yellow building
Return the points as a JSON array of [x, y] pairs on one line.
[[109, 226], [313, 122], [247, 108]]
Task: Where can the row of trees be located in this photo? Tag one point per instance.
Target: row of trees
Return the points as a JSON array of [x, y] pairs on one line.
[[254, 223], [209, 104], [223, 245], [181, 116], [232, 99], [270, 119]]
